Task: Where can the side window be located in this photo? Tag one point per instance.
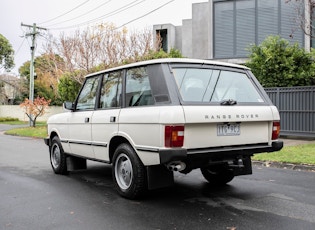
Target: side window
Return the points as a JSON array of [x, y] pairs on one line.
[[87, 96], [111, 90], [138, 89]]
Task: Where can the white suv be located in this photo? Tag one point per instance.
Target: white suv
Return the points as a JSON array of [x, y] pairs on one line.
[[152, 118]]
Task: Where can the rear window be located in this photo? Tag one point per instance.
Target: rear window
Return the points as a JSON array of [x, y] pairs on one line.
[[212, 85]]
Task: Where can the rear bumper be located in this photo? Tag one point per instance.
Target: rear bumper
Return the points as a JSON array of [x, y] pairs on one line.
[[170, 155], [276, 146], [181, 154]]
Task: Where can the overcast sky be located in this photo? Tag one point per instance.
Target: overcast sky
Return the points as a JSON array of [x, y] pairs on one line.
[[66, 15]]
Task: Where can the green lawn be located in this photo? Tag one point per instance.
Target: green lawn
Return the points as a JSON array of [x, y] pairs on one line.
[[11, 121], [299, 154], [40, 131]]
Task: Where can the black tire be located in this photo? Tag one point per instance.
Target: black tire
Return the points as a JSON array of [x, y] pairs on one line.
[[128, 172], [217, 175], [58, 157]]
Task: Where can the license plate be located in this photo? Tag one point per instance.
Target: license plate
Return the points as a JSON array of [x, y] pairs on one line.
[[228, 129]]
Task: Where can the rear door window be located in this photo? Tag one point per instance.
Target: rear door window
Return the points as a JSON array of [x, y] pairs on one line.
[[138, 88], [111, 90]]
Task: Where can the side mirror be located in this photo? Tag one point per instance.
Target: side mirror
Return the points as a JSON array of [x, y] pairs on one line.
[[67, 105]]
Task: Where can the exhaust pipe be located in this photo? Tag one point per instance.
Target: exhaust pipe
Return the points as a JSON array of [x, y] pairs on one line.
[[176, 166]]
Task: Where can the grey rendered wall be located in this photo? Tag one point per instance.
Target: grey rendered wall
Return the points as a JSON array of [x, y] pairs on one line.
[[178, 38], [200, 30], [187, 38]]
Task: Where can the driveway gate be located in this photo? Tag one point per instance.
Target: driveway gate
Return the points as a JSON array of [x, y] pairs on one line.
[[297, 109]]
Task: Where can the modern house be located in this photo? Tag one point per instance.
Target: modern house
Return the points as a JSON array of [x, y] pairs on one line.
[[224, 29]]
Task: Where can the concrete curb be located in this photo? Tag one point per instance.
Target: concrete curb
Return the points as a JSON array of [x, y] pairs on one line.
[[298, 167]]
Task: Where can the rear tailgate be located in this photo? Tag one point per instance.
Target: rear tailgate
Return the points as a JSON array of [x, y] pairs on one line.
[[215, 126]]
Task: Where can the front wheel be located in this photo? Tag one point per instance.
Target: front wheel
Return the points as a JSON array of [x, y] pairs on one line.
[[58, 157], [128, 172], [217, 175]]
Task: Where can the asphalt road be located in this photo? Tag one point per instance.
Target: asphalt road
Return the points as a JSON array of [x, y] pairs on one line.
[[33, 197]]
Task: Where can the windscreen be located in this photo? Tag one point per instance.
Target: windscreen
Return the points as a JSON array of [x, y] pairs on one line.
[[212, 85]]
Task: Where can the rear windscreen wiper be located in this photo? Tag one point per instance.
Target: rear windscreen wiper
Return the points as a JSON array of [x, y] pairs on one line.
[[228, 102]]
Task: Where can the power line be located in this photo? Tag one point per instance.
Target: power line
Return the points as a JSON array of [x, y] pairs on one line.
[[18, 50], [80, 15], [150, 12], [112, 13], [78, 6]]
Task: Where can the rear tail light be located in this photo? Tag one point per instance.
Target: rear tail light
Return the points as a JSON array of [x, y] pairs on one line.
[[275, 130], [174, 136]]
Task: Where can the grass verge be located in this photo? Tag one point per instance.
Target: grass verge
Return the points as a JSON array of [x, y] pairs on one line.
[[299, 154], [40, 131], [11, 121]]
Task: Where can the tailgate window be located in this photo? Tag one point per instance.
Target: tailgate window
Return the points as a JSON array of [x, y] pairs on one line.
[[209, 85]]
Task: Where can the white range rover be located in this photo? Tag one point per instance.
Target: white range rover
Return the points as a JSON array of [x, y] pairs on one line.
[[149, 119]]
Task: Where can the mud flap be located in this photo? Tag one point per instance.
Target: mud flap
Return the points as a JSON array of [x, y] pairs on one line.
[[159, 177], [75, 163]]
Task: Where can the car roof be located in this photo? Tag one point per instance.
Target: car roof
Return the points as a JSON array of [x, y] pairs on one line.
[[170, 61]]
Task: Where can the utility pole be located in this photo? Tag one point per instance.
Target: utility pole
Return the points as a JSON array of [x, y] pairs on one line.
[[33, 34]]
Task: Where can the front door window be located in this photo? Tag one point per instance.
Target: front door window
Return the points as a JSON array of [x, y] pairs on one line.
[[87, 97]]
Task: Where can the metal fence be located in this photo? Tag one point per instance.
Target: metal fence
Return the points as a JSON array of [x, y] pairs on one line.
[[297, 109]]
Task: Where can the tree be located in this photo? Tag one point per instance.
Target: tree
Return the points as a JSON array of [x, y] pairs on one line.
[[277, 63], [35, 109], [99, 47], [304, 15], [48, 68], [6, 54], [68, 88]]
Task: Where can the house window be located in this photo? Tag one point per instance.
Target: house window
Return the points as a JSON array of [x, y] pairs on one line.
[[162, 38]]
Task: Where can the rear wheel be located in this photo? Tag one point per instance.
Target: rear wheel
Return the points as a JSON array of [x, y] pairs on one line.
[[217, 175], [128, 172], [58, 157]]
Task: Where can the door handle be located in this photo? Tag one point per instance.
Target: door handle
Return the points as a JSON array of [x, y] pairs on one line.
[[112, 119], [87, 120]]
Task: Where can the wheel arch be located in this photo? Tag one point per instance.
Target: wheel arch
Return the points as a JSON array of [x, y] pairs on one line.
[[51, 137], [114, 143], [53, 134]]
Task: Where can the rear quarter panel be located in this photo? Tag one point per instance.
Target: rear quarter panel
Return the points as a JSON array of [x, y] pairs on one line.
[[144, 128]]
